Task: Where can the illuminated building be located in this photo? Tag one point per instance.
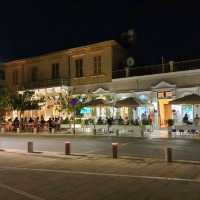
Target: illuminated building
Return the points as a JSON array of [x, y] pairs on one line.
[[98, 70]]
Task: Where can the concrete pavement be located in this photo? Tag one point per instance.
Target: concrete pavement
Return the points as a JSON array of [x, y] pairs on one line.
[[40, 178], [183, 149]]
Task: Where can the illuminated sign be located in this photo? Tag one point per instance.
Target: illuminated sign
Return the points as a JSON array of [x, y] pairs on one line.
[[86, 110]]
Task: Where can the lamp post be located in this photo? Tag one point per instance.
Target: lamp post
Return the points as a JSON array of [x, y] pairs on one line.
[[73, 103]]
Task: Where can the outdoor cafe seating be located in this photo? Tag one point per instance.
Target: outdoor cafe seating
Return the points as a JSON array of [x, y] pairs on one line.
[[186, 130]]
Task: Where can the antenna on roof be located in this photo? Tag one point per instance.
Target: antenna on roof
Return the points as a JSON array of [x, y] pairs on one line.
[[163, 64], [129, 36]]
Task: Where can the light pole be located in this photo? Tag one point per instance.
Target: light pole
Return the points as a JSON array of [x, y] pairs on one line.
[[73, 103]]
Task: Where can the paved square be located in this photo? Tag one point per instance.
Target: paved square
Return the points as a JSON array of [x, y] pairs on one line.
[[74, 178]]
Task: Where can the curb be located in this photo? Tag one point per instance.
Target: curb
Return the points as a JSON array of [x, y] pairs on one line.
[[58, 155]]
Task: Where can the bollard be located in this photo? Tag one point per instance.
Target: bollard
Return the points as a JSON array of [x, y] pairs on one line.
[[67, 148], [168, 154], [115, 150], [30, 147]]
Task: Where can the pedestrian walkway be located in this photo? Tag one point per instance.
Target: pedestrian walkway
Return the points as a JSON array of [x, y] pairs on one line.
[[158, 133], [45, 178]]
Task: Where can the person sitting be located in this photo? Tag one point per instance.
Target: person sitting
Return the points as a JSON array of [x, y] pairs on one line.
[[42, 122], [186, 119], [99, 121], [16, 123], [109, 123], [31, 120], [196, 120], [120, 120]]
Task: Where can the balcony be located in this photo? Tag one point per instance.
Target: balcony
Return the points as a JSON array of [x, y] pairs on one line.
[[158, 69], [46, 83]]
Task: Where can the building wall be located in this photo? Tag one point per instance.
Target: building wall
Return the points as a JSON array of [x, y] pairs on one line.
[[118, 56], [143, 83], [105, 50], [2, 76], [184, 79], [44, 65], [9, 69], [66, 59]]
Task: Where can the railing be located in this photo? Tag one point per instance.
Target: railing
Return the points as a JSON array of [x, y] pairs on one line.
[[158, 69], [46, 83]]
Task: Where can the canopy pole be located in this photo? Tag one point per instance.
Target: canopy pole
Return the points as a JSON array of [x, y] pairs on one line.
[[193, 112]]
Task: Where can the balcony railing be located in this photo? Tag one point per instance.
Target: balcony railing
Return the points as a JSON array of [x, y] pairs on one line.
[[46, 83], [158, 69]]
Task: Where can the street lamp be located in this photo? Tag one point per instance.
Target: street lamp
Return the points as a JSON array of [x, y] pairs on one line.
[[73, 103]]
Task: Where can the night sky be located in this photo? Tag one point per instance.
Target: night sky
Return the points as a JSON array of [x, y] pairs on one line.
[[166, 28]]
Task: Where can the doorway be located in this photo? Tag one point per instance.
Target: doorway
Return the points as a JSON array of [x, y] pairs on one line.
[[165, 112]]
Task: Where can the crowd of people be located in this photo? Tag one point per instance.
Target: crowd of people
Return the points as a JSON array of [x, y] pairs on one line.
[[145, 120], [39, 123]]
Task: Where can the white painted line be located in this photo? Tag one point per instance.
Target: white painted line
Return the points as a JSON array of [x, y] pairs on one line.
[[123, 144], [104, 174], [90, 152], [21, 192]]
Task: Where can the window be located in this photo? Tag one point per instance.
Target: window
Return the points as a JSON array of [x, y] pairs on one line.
[[79, 67], [165, 95], [15, 77], [34, 74], [97, 65], [55, 71]]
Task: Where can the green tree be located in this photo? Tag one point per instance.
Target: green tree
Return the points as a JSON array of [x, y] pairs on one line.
[[72, 105], [23, 101], [4, 101]]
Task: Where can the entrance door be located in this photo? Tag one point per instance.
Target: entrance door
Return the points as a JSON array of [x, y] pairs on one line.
[[168, 113], [165, 112]]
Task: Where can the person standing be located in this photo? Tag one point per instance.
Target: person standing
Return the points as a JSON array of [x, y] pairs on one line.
[[196, 120]]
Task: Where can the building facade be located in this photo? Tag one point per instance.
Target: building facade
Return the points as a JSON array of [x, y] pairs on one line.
[[58, 73], [95, 70], [157, 86], [77, 66]]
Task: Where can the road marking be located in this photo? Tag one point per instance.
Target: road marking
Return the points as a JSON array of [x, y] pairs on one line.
[[123, 144], [90, 152], [103, 174], [21, 192]]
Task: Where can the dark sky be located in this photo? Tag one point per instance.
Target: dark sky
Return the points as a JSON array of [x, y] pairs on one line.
[[163, 27]]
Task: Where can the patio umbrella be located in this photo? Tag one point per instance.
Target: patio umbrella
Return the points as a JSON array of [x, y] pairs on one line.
[[97, 103], [191, 99], [128, 102]]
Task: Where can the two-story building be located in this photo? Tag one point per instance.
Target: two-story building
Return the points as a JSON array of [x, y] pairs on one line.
[[59, 72], [96, 69]]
